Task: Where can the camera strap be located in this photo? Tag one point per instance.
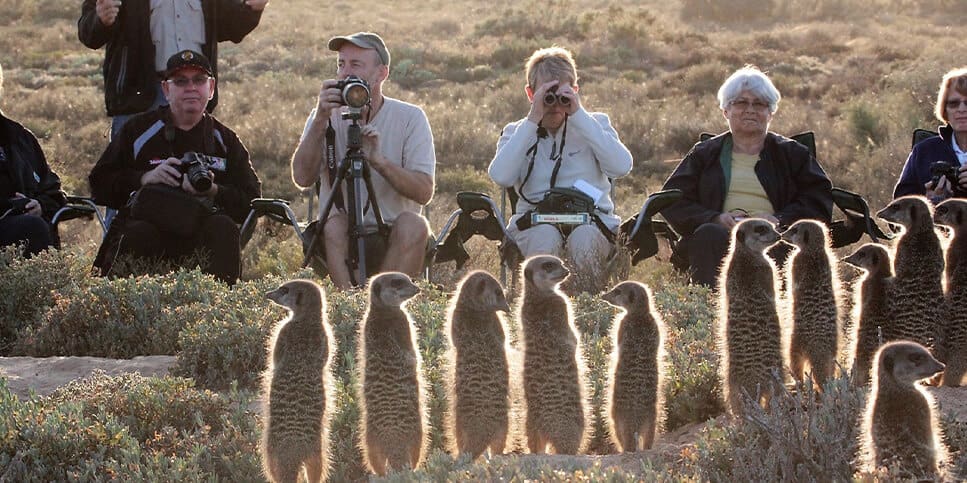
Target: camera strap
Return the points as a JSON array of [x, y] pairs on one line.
[[331, 166], [170, 132], [557, 155]]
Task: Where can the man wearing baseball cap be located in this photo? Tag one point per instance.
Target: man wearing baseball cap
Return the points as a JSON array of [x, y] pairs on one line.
[[150, 149], [398, 146]]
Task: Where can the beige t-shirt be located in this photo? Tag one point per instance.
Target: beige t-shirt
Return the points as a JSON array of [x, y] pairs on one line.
[[745, 190], [404, 138], [176, 25]]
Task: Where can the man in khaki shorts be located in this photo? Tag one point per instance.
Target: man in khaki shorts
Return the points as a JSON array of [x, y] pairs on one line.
[[398, 147]]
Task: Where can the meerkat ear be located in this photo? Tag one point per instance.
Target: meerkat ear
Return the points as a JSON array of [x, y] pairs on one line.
[[913, 213], [377, 290], [298, 298], [739, 236], [875, 257], [888, 363], [528, 273], [959, 218], [805, 236], [632, 297]]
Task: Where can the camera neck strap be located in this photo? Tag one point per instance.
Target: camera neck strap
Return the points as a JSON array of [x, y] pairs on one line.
[[557, 155]]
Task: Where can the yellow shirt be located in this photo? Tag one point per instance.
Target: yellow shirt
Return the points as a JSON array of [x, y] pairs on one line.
[[745, 192]]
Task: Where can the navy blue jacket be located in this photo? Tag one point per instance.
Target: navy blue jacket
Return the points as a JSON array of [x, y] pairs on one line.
[[916, 170], [797, 186]]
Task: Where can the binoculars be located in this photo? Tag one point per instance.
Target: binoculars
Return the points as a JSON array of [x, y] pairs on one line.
[[551, 97]]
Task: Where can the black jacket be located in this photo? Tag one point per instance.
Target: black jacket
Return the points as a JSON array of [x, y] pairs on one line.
[[797, 186], [130, 78], [28, 169], [916, 170]]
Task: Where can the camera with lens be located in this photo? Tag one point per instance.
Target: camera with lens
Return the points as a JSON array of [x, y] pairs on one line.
[[17, 206], [551, 97], [197, 167], [950, 171], [354, 93]]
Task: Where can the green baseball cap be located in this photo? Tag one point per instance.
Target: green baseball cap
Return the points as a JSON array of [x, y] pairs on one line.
[[366, 40]]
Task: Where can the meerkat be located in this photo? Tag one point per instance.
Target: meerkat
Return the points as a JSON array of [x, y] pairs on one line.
[[952, 214], [393, 433], [872, 315], [899, 425], [813, 305], [554, 384], [296, 386], [637, 368], [479, 372], [917, 292], [750, 335]]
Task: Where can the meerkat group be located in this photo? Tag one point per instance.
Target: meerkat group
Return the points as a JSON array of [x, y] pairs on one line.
[[771, 323]]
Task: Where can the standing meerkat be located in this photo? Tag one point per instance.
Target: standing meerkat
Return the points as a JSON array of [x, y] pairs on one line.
[[638, 340], [812, 281], [750, 336], [872, 315], [554, 384], [296, 387], [917, 294], [899, 425], [478, 366], [394, 433], [952, 213]]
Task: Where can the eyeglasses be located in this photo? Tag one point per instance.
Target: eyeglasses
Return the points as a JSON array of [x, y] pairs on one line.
[[955, 103], [743, 104], [198, 81]]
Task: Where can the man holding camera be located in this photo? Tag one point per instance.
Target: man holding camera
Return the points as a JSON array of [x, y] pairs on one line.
[[559, 160], [30, 192], [183, 147], [398, 147]]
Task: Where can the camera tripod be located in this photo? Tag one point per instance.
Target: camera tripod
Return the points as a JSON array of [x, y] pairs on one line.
[[354, 166]]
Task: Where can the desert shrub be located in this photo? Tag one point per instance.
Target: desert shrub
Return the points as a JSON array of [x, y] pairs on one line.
[[120, 318], [726, 12], [200, 432], [226, 344], [866, 127], [803, 436], [27, 285]]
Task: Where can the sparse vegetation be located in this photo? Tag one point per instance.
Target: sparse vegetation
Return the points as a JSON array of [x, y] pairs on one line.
[[860, 74]]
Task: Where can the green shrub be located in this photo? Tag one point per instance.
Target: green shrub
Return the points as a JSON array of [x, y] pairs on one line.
[[120, 318], [226, 343], [27, 286], [803, 436]]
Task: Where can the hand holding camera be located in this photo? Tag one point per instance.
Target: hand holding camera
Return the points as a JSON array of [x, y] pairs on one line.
[[351, 91], [946, 180], [20, 205]]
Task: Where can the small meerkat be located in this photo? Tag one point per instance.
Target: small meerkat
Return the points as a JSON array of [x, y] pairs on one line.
[[391, 393], [296, 386], [952, 214], [872, 315], [750, 336], [812, 281], [637, 368], [478, 366], [899, 424], [917, 292], [554, 384]]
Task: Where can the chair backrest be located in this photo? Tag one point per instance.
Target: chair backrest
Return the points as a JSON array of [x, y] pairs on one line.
[[920, 135], [807, 139]]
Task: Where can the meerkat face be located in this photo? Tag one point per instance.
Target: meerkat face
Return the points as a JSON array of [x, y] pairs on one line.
[[627, 294], [872, 257], [951, 213], [482, 290], [907, 362], [391, 289], [906, 212], [294, 293], [545, 272], [756, 234], [805, 232]]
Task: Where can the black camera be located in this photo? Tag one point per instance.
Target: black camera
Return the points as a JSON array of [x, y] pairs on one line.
[[17, 206], [551, 97], [197, 168], [354, 92], [944, 169]]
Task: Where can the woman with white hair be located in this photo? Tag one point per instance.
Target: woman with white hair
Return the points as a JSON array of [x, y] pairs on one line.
[[744, 172]]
